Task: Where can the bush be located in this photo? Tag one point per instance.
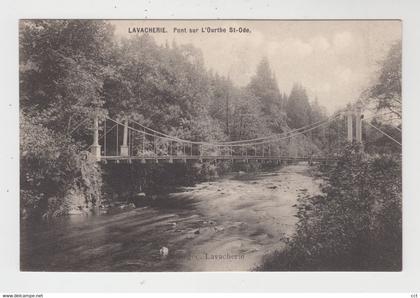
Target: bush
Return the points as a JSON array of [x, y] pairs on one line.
[[54, 176], [354, 225]]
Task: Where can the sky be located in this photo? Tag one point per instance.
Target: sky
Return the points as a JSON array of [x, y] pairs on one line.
[[334, 60]]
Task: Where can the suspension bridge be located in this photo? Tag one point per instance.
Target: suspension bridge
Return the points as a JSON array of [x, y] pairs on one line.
[[127, 140]]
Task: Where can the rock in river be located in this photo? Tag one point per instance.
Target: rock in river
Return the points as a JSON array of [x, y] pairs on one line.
[[164, 251]]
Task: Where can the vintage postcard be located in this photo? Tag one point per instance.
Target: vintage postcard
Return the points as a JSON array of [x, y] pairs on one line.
[[210, 145]]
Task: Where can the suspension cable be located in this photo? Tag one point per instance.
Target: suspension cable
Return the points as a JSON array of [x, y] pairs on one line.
[[384, 133], [109, 130], [78, 125], [272, 140], [373, 116], [376, 115], [397, 128], [246, 140]]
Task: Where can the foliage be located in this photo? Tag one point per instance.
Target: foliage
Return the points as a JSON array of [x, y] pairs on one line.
[[378, 143], [355, 225], [62, 67], [266, 91], [62, 64], [298, 107], [53, 174], [162, 87], [385, 97], [386, 92], [247, 119]]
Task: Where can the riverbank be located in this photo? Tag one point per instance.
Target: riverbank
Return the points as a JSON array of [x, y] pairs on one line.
[[227, 224]]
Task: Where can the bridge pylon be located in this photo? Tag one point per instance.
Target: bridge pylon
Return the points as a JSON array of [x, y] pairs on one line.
[[95, 148], [358, 113], [124, 146], [349, 115]]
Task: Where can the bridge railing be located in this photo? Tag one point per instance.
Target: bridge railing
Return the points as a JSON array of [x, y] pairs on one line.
[[118, 140]]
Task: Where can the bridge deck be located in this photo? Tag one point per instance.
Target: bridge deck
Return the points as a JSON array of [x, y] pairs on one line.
[[219, 157]]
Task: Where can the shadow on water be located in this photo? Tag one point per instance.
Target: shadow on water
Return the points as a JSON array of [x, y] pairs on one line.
[[169, 201], [115, 239], [253, 176]]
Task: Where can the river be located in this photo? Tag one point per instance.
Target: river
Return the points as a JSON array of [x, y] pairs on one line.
[[227, 224]]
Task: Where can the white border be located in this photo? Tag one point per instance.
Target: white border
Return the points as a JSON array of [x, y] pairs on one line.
[[11, 280]]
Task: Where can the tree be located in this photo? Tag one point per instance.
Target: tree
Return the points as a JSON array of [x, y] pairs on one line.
[[166, 88], [224, 96], [247, 119], [386, 92], [264, 87], [54, 176], [378, 143], [62, 64], [355, 224], [62, 67], [298, 107]]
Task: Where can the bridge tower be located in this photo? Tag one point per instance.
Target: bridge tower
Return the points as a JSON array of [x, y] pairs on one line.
[[349, 115], [124, 146], [95, 149], [358, 114]]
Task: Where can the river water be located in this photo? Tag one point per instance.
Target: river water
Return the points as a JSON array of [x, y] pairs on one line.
[[228, 224]]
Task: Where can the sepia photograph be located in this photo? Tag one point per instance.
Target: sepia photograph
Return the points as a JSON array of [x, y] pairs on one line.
[[210, 145]]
